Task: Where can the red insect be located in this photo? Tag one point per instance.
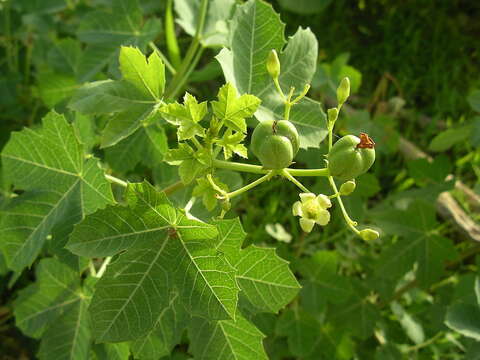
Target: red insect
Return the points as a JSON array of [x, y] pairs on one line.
[[366, 142]]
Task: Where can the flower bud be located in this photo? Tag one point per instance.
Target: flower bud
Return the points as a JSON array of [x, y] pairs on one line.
[[347, 187], [343, 90], [273, 64], [369, 234], [332, 115]]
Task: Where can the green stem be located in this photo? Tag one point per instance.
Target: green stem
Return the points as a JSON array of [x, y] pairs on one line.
[[190, 52], [330, 135], [264, 178], [234, 166], [163, 57], [215, 186], [288, 104], [287, 175], [183, 80], [103, 267], [171, 38], [425, 343], [302, 94], [172, 188], [331, 126], [351, 224], [197, 143], [168, 190], [115, 180], [308, 172], [279, 89]]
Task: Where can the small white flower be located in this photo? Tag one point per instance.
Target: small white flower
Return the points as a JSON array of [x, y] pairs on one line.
[[312, 210]]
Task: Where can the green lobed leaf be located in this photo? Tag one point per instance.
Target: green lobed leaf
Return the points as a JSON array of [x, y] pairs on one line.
[[357, 315], [185, 156], [186, 116], [43, 302], [147, 75], [128, 102], [111, 351], [55, 87], [417, 245], [147, 216], [226, 339], [69, 337], [257, 29], [215, 30], [147, 145], [301, 329], [131, 295], [321, 272], [166, 332], [233, 109], [50, 162], [205, 190], [264, 278], [232, 144], [106, 30], [166, 251], [65, 55]]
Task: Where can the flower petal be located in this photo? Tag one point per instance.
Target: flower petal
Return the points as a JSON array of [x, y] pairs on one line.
[[324, 201], [306, 196], [306, 224], [297, 209], [323, 217]]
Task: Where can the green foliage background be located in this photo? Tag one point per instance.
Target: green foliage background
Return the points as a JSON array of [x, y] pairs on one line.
[[413, 294]]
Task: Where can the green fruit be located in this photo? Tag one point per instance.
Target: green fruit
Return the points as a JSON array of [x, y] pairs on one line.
[[346, 160], [275, 143]]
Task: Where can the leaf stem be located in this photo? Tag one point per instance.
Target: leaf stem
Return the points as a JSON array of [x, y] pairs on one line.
[[256, 169], [247, 187], [215, 186], [289, 176], [288, 104], [172, 188], [425, 343], [170, 37], [234, 166], [351, 224], [163, 57], [279, 89], [197, 143], [115, 180], [102, 269], [308, 172]]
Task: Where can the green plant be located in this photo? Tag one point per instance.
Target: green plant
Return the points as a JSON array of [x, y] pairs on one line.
[[135, 222]]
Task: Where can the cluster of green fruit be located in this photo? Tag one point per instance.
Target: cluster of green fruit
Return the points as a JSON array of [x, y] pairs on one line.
[[275, 144]]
